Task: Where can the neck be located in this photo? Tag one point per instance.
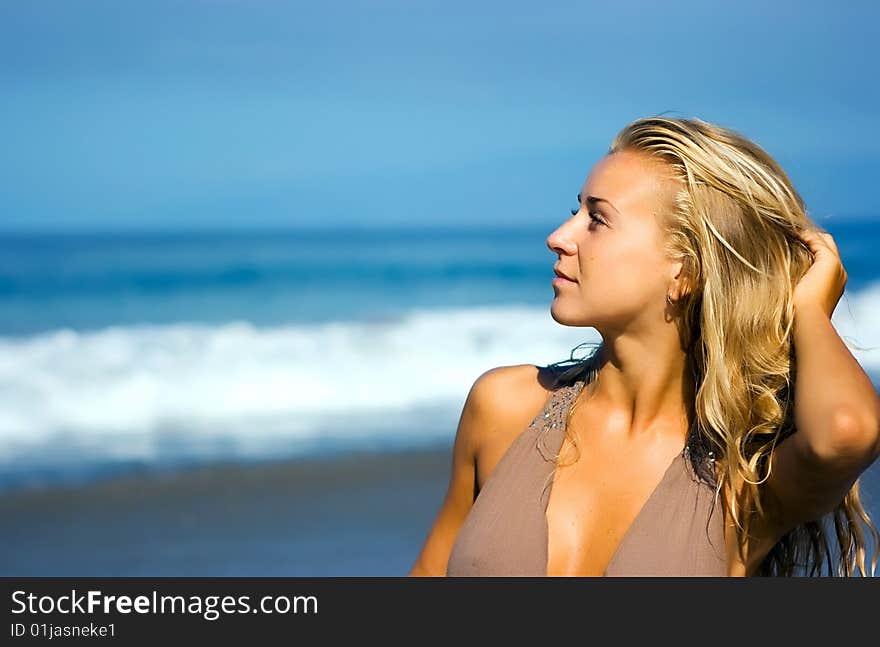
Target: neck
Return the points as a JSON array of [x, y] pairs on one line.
[[645, 385]]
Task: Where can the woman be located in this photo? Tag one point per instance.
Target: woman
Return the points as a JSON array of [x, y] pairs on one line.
[[694, 258]]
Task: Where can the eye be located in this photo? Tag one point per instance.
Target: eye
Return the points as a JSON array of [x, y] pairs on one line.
[[593, 217], [591, 214]]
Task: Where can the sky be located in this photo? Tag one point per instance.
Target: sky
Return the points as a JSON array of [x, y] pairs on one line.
[[254, 114]]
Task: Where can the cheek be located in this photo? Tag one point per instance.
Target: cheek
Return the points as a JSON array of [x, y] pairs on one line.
[[625, 277]]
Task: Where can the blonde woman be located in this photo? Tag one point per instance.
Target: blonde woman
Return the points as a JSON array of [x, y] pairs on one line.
[[721, 426]]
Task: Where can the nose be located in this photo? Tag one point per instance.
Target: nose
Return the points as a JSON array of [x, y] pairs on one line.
[[559, 242]]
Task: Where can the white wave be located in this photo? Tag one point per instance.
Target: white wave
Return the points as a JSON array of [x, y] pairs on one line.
[[146, 392], [857, 321], [135, 392]]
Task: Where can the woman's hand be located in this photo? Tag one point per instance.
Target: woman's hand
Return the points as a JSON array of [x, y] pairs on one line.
[[824, 282]]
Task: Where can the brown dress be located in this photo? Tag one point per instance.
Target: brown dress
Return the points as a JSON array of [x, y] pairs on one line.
[[505, 532]]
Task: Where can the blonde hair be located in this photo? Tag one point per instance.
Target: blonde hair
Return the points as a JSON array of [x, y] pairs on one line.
[[734, 225]]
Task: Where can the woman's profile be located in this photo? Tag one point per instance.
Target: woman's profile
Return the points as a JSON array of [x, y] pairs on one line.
[[720, 427]]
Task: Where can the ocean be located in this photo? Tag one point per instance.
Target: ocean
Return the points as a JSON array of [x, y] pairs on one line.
[[132, 355]]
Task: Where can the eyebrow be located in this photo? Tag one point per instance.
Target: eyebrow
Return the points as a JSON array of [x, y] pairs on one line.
[[593, 199]]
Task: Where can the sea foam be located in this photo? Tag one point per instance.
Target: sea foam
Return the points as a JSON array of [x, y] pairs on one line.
[[157, 393]]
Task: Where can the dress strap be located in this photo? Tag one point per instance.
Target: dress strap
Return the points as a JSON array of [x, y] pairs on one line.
[[551, 430]]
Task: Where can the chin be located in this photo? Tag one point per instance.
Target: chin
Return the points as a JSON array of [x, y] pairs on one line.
[[567, 319]]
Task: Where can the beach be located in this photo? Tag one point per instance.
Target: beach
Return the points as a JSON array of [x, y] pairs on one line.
[[363, 514]]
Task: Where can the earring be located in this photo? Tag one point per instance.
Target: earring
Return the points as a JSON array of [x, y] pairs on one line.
[[669, 299]]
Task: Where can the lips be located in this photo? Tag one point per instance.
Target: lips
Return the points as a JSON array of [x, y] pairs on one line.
[[561, 275]]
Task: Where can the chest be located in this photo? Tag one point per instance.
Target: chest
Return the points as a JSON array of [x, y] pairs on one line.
[[622, 516], [605, 512], [596, 504]]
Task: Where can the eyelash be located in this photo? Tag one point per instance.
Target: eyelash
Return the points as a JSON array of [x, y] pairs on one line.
[[589, 213]]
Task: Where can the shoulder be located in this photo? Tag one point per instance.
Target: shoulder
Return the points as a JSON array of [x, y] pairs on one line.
[[500, 388], [518, 375], [507, 398]]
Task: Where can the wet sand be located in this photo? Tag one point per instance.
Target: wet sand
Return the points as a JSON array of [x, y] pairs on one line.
[[358, 515], [363, 514]]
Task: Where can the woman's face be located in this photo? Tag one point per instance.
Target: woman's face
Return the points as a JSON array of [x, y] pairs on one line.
[[612, 248]]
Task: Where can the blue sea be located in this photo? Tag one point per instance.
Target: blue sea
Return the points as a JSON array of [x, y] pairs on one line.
[[271, 403], [133, 351]]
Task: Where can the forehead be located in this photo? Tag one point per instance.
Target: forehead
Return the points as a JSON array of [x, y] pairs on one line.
[[632, 182]]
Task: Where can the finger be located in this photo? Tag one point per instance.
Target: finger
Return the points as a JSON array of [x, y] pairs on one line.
[[823, 243], [829, 240], [811, 239], [819, 242]]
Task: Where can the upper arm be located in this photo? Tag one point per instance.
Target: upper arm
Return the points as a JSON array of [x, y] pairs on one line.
[[804, 485], [481, 412]]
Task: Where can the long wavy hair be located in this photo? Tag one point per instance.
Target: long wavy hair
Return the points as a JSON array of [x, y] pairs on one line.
[[734, 226]]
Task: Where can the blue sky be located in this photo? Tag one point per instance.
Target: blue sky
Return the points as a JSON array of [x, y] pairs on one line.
[[256, 114]]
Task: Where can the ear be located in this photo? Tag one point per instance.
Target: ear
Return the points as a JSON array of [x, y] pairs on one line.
[[679, 280]]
